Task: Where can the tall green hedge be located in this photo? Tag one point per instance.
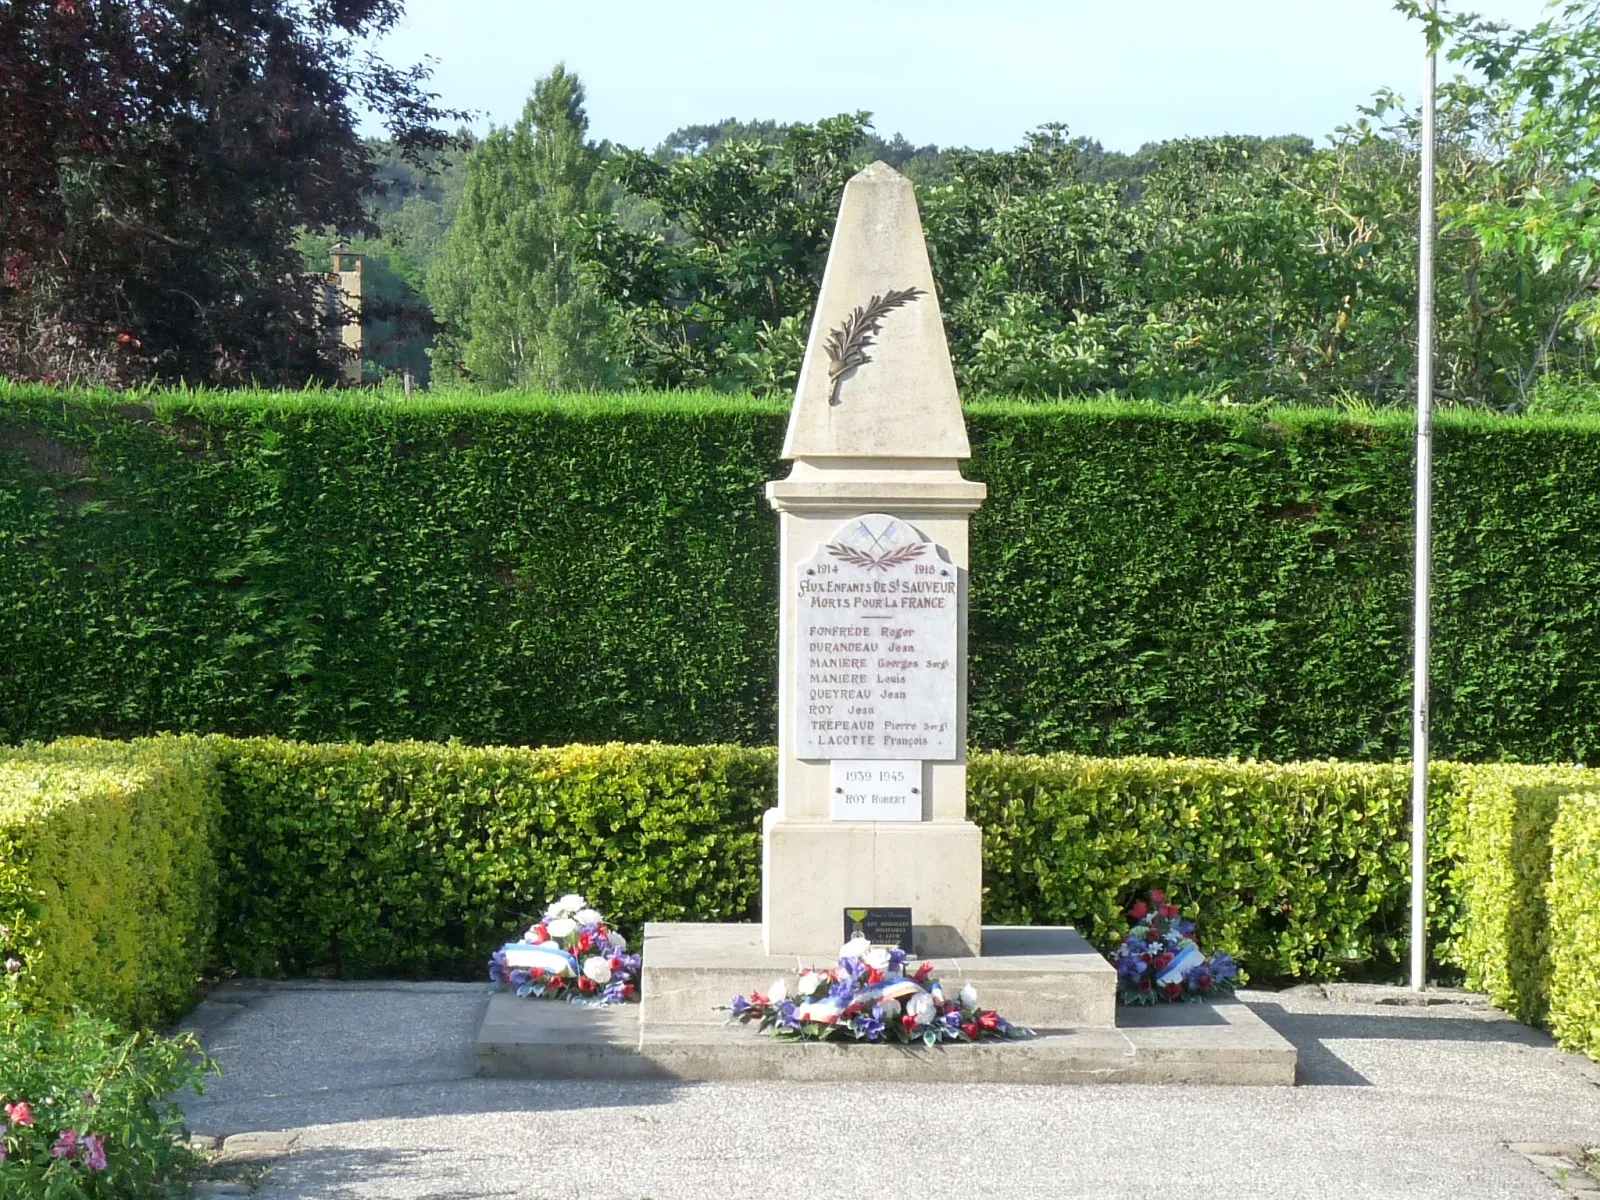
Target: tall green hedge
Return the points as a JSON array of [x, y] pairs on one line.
[[541, 571]]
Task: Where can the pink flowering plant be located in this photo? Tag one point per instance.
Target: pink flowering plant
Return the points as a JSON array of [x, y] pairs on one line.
[[870, 996], [84, 1108], [1159, 962], [570, 953]]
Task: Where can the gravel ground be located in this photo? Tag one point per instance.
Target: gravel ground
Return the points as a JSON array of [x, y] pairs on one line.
[[377, 1083]]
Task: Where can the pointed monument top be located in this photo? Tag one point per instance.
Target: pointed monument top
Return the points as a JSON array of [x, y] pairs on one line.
[[876, 381]]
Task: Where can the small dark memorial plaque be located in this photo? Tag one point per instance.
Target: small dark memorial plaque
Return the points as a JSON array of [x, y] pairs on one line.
[[880, 926]]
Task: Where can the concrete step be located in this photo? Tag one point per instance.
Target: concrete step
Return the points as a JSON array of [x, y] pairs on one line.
[[1223, 1042]]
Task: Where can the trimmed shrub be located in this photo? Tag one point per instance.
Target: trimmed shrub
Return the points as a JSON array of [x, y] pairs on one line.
[[522, 571], [413, 858], [1300, 870], [1575, 924], [108, 875], [417, 858]]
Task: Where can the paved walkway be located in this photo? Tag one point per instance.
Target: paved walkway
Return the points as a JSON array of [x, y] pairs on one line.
[[376, 1081]]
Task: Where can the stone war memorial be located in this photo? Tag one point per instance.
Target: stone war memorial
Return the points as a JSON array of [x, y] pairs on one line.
[[870, 835]]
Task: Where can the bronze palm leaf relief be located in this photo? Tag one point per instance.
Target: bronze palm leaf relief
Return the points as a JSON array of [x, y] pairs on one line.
[[847, 345]]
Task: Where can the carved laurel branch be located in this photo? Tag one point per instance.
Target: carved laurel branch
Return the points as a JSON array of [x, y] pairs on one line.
[[847, 345], [890, 558]]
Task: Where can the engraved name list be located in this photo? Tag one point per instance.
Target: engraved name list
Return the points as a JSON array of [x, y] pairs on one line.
[[877, 646]]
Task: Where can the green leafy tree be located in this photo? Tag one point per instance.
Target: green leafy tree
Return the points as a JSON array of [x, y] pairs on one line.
[[516, 306], [720, 293]]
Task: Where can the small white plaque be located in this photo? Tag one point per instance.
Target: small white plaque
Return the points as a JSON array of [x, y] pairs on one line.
[[875, 789]]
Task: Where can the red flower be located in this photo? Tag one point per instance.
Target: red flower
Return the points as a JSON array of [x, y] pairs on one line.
[[584, 943], [1169, 910], [585, 984], [1174, 990], [989, 1020], [971, 1029], [20, 1113], [874, 977], [923, 972], [537, 934], [627, 991], [1138, 911], [1158, 897], [537, 974], [616, 963], [908, 1022], [1144, 985]]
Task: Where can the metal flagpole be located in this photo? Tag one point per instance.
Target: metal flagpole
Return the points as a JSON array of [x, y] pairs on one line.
[[1424, 590]]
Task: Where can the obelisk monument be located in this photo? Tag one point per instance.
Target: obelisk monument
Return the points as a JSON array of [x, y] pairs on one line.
[[873, 624]]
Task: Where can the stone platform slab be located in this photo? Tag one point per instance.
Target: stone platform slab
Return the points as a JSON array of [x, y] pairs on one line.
[[1044, 977], [1217, 1043]]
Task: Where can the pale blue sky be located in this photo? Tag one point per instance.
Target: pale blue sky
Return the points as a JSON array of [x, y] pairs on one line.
[[954, 72]]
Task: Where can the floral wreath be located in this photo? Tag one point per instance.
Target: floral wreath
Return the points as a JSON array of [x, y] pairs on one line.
[[869, 997], [1159, 961], [568, 954]]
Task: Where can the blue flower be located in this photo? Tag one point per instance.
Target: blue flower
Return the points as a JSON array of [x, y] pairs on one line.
[[740, 1006], [868, 1026], [786, 1016], [1223, 968], [1186, 928], [897, 957], [844, 991], [519, 977]]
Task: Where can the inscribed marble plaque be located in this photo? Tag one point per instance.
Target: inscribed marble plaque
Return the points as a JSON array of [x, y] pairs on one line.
[[876, 655], [875, 789]]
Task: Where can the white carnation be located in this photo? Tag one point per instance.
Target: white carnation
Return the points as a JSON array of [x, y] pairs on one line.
[[779, 992], [890, 1007], [597, 969], [968, 996], [561, 927], [877, 959], [588, 916], [856, 947], [567, 905], [811, 983], [921, 1008]]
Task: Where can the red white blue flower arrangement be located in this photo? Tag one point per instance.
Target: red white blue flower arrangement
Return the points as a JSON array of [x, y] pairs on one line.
[[1160, 962], [869, 997], [569, 954]]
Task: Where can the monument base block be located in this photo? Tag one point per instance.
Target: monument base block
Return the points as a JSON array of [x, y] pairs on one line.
[[1218, 1043], [1040, 977], [811, 871]]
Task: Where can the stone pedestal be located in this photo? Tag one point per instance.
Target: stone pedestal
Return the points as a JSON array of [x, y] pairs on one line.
[[874, 510]]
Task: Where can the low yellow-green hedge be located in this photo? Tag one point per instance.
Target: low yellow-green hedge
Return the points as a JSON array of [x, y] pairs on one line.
[[108, 874], [1526, 872], [415, 858]]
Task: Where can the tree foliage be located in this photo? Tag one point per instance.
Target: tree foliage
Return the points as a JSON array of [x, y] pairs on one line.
[[517, 309], [158, 160]]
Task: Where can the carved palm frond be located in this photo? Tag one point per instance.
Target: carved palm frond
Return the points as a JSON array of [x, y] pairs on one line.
[[891, 558], [847, 345]]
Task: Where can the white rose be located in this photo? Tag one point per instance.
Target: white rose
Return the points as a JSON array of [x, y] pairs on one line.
[[855, 948], [921, 1008], [588, 916], [779, 992], [877, 959], [810, 984], [561, 927], [968, 996], [567, 905], [597, 969]]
